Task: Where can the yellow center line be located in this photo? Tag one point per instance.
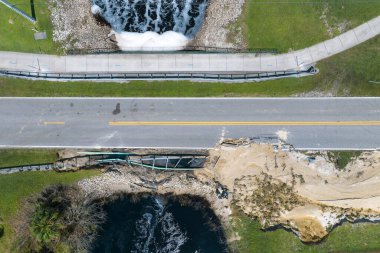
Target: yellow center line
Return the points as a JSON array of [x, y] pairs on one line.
[[54, 123], [244, 123]]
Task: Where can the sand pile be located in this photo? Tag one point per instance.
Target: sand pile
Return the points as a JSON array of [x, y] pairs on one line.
[[309, 196]]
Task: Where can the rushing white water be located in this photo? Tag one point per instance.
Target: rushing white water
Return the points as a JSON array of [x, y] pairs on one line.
[[152, 24], [158, 223]]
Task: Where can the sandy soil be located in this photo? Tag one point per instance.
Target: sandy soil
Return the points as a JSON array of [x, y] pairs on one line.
[[287, 188]]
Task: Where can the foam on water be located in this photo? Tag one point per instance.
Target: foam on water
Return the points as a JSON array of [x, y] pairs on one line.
[[152, 24], [157, 231]]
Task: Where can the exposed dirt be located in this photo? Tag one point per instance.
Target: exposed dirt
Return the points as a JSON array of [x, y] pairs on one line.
[[304, 192], [137, 180], [76, 28], [309, 196]]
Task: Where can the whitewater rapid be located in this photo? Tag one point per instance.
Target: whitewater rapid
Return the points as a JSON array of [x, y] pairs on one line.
[[152, 24]]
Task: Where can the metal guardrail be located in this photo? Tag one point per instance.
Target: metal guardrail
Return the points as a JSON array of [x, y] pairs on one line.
[[166, 50], [157, 76], [159, 162]]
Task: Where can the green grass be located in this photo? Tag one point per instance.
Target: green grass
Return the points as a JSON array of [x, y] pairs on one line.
[[347, 74], [17, 32], [360, 237], [296, 24], [15, 157], [342, 158], [15, 187]]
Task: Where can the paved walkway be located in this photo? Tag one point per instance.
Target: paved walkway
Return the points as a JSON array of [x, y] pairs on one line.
[[190, 62]]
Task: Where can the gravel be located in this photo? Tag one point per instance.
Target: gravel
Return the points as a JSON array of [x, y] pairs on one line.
[[76, 28]]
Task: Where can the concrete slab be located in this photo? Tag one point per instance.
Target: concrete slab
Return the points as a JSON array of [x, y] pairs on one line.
[[319, 52], [125, 63], [44, 62], [348, 39], [97, 63], [334, 45], [286, 61], [26, 62], [8, 61], [218, 62], [375, 25], [252, 63], [184, 62], [201, 63], [58, 64], [76, 64], [235, 62], [166, 62], [269, 63], [302, 57], [40, 36], [363, 32], [150, 63]]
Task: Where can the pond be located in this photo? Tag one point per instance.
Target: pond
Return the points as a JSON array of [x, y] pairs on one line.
[[162, 224]]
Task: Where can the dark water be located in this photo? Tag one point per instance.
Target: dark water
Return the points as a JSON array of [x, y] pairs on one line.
[[182, 16], [162, 225]]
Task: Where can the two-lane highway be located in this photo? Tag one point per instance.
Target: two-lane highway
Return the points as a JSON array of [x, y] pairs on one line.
[[310, 123]]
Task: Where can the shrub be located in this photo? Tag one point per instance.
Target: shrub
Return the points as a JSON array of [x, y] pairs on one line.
[[60, 217]]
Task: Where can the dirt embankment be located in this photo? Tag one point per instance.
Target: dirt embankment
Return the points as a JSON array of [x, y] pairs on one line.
[[303, 192], [309, 196], [139, 180]]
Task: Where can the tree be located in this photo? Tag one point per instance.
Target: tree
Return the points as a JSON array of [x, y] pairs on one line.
[[60, 217]]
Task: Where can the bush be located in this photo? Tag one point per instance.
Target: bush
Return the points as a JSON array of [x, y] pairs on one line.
[[60, 217]]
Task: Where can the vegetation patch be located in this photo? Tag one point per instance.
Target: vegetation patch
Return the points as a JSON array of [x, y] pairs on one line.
[[16, 157], [15, 187], [292, 25], [344, 238], [59, 219], [17, 33], [342, 158]]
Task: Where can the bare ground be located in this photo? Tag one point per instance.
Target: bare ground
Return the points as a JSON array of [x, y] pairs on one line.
[[308, 196], [74, 26]]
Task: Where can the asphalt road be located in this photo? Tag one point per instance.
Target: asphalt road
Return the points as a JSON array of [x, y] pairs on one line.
[[310, 123]]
